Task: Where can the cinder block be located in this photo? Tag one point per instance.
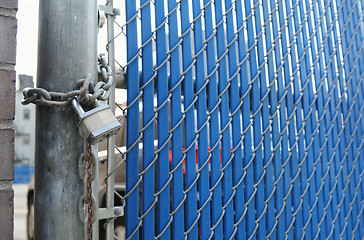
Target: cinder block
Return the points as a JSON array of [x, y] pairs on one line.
[[8, 39], [6, 154], [6, 210], [10, 4], [7, 95]]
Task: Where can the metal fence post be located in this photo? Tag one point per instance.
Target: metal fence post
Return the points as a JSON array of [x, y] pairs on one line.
[[111, 140], [66, 53]]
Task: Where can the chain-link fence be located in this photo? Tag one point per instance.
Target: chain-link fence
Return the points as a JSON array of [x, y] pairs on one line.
[[241, 119]]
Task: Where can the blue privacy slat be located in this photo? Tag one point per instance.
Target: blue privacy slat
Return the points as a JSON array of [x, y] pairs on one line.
[[302, 158], [276, 86], [289, 154], [237, 163], [203, 155], [269, 140], [132, 131], [359, 88], [335, 114], [358, 95], [309, 108], [319, 164], [246, 127], [269, 149], [148, 114], [267, 221], [257, 152], [351, 142], [347, 210], [189, 130], [353, 94], [227, 202], [216, 202], [163, 228], [323, 114], [332, 156], [341, 135], [176, 124]]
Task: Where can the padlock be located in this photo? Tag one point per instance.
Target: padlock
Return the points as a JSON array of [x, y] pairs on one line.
[[96, 124]]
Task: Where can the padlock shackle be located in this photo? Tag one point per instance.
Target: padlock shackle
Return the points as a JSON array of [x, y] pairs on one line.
[[77, 107]]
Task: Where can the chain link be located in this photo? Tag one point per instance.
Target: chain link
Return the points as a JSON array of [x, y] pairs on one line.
[[85, 90]]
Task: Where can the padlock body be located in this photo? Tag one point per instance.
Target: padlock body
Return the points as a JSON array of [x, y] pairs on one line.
[[99, 124]]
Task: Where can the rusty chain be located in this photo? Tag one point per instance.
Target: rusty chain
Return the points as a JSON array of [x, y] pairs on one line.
[[85, 91], [89, 192]]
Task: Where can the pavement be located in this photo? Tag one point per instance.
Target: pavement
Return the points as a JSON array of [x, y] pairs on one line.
[[20, 211]]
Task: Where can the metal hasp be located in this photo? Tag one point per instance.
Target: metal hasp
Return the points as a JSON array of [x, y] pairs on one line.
[[66, 52], [97, 124]]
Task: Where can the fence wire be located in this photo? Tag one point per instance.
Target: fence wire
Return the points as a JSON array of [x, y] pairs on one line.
[[243, 119]]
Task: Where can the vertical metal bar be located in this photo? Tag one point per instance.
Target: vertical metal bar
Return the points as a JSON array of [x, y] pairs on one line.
[[189, 127], [148, 118], [214, 129], [163, 177], [132, 123], [224, 133], [111, 141], [66, 53]]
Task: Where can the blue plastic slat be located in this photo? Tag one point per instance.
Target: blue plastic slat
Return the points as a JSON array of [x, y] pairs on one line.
[[278, 114], [214, 128], [336, 113], [359, 50], [309, 112], [237, 139], [163, 134], [346, 105], [226, 156], [132, 129], [201, 106], [246, 127], [148, 115], [290, 160], [268, 220], [256, 114], [176, 124], [189, 123], [354, 93]]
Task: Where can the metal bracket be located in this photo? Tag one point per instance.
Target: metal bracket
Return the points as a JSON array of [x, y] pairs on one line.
[[109, 10], [112, 212]]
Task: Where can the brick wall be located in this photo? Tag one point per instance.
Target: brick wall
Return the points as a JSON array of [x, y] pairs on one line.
[[8, 27]]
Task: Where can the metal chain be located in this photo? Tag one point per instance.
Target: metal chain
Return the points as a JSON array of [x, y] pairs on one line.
[[89, 192], [85, 90]]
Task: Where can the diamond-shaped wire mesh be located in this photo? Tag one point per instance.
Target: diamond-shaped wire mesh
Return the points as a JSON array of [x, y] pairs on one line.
[[242, 119]]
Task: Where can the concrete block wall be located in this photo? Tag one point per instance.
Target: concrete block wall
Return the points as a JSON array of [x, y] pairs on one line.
[[8, 29]]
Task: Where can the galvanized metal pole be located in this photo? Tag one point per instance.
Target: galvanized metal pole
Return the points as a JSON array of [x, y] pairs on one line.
[[66, 53]]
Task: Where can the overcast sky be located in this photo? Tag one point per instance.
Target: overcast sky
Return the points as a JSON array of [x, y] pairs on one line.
[[26, 57]]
